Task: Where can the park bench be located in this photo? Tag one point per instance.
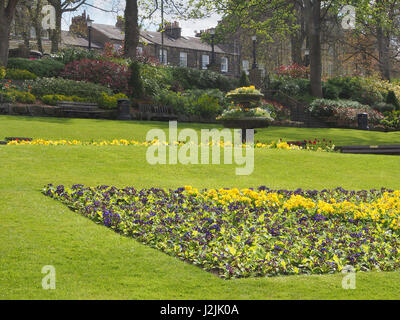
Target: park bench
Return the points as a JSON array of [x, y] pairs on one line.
[[382, 150], [81, 109], [156, 113]]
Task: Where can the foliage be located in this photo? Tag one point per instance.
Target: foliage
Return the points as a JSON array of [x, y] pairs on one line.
[[13, 96], [106, 73], [383, 107], [2, 72], [364, 90], [155, 78], [191, 104], [41, 68], [291, 86], [106, 101], [244, 91], [190, 78], [135, 80], [345, 110], [68, 55], [392, 120], [48, 86], [293, 71], [252, 232], [237, 112], [53, 99], [244, 80], [393, 100], [17, 74]]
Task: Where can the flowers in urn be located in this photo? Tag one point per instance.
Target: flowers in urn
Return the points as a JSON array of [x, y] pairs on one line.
[[238, 112], [245, 104]]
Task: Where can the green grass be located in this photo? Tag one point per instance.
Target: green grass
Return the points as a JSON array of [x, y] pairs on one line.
[[80, 129], [92, 262]]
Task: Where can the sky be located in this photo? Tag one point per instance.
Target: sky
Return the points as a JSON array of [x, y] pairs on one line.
[[188, 27]]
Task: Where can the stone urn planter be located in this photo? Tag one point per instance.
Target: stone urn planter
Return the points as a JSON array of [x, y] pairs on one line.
[[247, 99]]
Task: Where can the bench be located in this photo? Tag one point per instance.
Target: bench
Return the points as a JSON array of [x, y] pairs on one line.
[[156, 113], [84, 109], [382, 150]]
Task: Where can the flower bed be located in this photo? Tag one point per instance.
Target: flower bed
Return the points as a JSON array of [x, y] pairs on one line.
[[252, 232], [320, 146]]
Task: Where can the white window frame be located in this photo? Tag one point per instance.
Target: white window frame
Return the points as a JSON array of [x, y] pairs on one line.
[[224, 64], [183, 59], [205, 62], [165, 56]]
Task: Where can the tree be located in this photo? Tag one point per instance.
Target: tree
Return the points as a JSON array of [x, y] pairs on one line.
[[131, 29], [62, 6], [7, 11], [379, 19]]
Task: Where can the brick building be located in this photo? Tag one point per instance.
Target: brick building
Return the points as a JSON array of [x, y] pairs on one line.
[[179, 50]]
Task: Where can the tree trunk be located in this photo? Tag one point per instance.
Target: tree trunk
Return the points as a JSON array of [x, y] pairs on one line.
[[56, 33], [384, 53], [296, 49], [131, 29], [297, 38], [5, 23], [313, 11]]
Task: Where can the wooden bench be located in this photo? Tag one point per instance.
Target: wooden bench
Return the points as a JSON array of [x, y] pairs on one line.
[[382, 150], [84, 109], [156, 113]]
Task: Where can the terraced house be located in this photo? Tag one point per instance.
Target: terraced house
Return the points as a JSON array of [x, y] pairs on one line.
[[178, 50]]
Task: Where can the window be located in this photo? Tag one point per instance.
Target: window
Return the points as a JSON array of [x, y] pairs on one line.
[[183, 59], [165, 60], [205, 61], [139, 51], [246, 66], [224, 64]]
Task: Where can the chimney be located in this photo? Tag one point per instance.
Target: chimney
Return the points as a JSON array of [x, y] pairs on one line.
[[173, 30]]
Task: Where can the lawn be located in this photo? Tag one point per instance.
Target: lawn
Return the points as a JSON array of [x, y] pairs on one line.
[[93, 262]]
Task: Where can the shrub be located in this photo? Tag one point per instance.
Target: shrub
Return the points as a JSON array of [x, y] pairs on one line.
[[365, 91], [155, 78], [392, 99], [392, 120], [135, 81], [41, 68], [53, 99], [18, 96], [293, 71], [48, 86], [2, 72], [344, 110], [106, 73], [330, 91], [383, 107], [110, 102], [69, 55], [244, 80], [17, 74], [191, 104]]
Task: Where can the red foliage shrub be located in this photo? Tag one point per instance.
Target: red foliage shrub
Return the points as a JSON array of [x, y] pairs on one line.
[[106, 73], [294, 71]]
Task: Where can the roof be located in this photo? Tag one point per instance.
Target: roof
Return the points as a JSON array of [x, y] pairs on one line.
[[182, 42], [71, 40], [193, 43]]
